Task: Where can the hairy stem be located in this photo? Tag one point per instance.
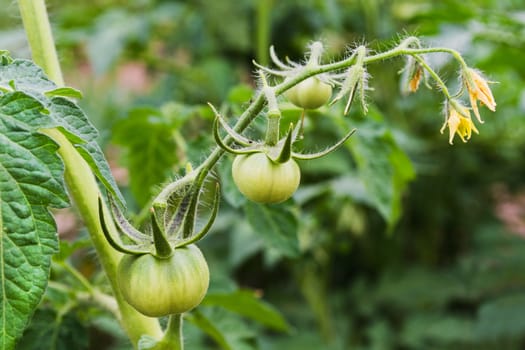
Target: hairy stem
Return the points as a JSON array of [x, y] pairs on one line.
[[272, 130], [79, 178], [259, 101], [434, 75]]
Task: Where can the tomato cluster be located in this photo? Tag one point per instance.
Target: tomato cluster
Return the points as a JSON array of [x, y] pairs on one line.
[[264, 180], [266, 172]]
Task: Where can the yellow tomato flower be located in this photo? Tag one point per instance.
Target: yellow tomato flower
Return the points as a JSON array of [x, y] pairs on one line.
[[459, 122], [478, 90]]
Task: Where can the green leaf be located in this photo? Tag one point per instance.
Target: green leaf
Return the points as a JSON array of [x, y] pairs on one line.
[[53, 331], [247, 304], [383, 166], [77, 128], [151, 153], [30, 182], [108, 324], [225, 328], [25, 76], [68, 248], [95, 158], [240, 94], [276, 225], [209, 328], [502, 318], [441, 330], [416, 288], [5, 57], [244, 242], [64, 92]]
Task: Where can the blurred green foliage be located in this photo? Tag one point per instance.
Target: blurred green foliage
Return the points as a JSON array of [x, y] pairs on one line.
[[448, 275]]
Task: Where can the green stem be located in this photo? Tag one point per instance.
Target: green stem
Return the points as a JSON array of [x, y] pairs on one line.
[[38, 31], [94, 296], [173, 334], [79, 178], [263, 30], [434, 75], [272, 131], [78, 276], [398, 51], [244, 120], [167, 191], [242, 123], [274, 114], [259, 101]]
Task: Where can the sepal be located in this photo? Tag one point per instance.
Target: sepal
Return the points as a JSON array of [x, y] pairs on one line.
[[330, 149], [114, 240]]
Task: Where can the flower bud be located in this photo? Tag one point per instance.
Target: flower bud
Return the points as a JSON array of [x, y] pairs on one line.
[[411, 76]]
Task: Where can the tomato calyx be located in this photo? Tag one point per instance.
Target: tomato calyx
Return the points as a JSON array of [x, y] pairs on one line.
[[169, 228], [280, 152]]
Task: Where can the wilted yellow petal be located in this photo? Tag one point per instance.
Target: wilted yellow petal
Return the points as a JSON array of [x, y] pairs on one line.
[[478, 90], [415, 79]]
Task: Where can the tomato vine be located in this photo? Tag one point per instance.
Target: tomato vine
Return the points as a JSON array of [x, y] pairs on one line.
[[161, 272]]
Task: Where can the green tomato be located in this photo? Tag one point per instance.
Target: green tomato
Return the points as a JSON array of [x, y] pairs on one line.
[[160, 287], [264, 181], [310, 93]]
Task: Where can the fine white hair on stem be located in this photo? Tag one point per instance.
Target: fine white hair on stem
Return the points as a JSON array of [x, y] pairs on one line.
[[270, 70], [275, 59]]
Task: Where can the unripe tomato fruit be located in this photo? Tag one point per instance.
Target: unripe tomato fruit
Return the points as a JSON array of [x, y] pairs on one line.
[[264, 181], [160, 287], [310, 93]]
